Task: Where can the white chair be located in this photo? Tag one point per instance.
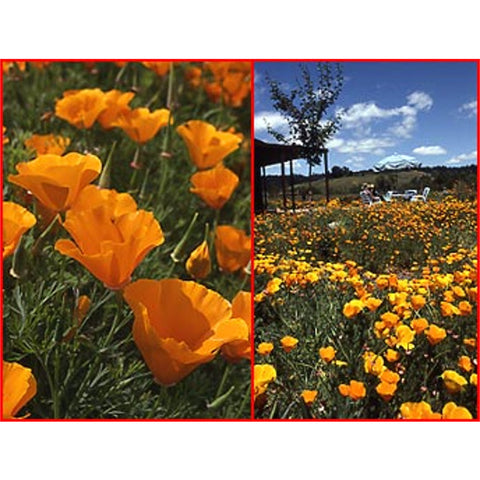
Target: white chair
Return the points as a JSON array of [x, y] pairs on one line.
[[422, 197], [367, 199]]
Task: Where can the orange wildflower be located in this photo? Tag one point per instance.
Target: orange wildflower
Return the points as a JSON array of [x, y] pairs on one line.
[[214, 186], [373, 363], [5, 139], [19, 387], [263, 375], [309, 396], [465, 363], [390, 319], [116, 103], [451, 411], [46, 144], [160, 68], [265, 348], [404, 337], [193, 75], [418, 411], [448, 309], [327, 354], [140, 124], [198, 264], [206, 145], [241, 309], [391, 355], [109, 239], [232, 248], [386, 390], [288, 343], [81, 107], [56, 181], [355, 390], [16, 221], [353, 308], [465, 308], [418, 301], [180, 325], [453, 382], [419, 325], [435, 334]]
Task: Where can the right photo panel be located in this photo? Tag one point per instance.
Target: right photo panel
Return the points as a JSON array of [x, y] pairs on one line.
[[365, 240]]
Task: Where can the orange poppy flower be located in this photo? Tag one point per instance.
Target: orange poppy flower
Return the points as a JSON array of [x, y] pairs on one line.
[[265, 348], [391, 355], [355, 390], [198, 264], [232, 247], [16, 221], [93, 196], [289, 343], [81, 107], [309, 396], [140, 124], [465, 363], [419, 325], [47, 144], [353, 308], [386, 390], [116, 103], [193, 75], [452, 411], [110, 240], [19, 387], [214, 186], [327, 354], [263, 375], [453, 382], [435, 334], [5, 139], [418, 301], [206, 145], [160, 68], [213, 91], [56, 181], [241, 309], [179, 325], [418, 411]]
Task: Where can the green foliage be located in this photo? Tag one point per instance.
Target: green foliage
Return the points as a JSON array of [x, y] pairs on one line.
[[95, 370]]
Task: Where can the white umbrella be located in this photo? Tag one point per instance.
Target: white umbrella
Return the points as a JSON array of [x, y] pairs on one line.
[[396, 162]]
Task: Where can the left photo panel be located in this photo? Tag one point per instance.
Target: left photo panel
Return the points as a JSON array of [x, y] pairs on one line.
[[126, 225]]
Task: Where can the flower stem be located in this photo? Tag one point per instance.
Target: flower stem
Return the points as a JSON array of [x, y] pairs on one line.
[[224, 379], [38, 243]]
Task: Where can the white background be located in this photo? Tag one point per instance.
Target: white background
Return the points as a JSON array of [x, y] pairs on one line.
[[244, 30]]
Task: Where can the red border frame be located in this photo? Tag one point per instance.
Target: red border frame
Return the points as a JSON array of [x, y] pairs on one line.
[[252, 216]]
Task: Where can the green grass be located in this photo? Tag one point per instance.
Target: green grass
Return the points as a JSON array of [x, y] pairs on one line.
[[99, 372]]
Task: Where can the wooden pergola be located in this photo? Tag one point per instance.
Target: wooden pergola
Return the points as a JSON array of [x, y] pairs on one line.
[[267, 154]]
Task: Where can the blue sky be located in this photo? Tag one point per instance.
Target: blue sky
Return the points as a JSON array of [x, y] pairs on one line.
[[427, 110]]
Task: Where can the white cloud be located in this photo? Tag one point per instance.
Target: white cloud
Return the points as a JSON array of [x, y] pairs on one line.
[[358, 116], [420, 100], [463, 157], [355, 161], [365, 145], [469, 109], [429, 150], [272, 118]]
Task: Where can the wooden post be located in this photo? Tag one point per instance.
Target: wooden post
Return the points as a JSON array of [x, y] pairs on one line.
[[264, 189], [284, 188], [292, 188], [325, 159]]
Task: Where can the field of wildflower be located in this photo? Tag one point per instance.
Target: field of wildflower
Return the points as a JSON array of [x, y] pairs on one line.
[[126, 240], [367, 312]]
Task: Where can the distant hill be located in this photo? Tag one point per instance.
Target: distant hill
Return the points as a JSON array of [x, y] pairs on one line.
[[437, 178]]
